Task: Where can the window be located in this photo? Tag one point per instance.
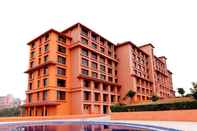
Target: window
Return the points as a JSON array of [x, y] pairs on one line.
[[94, 46], [45, 82], [38, 84], [110, 79], [109, 62], [96, 85], [61, 71], [109, 71], [109, 45], [46, 47], [105, 87], [86, 95], [84, 32], [96, 96], [38, 96], [116, 72], [84, 62], [102, 59], [46, 58], [102, 68], [39, 60], [86, 83], [40, 50], [31, 76], [84, 41], [45, 70], [94, 56], [33, 45], [32, 54], [30, 86], [94, 37], [32, 64], [46, 37], [109, 53], [94, 74], [104, 97], [84, 72], [61, 38], [102, 41], [94, 65], [61, 49], [102, 77], [84, 52], [38, 72], [102, 50], [61, 95], [61, 60], [30, 98], [112, 98], [61, 83], [45, 95]]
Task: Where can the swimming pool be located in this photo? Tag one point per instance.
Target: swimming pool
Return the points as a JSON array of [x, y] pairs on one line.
[[78, 125]]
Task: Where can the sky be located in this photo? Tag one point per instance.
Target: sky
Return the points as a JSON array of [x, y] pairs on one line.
[[170, 25]]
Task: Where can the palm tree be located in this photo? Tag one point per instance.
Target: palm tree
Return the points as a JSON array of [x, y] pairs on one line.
[[194, 90], [154, 98], [130, 94], [181, 91]]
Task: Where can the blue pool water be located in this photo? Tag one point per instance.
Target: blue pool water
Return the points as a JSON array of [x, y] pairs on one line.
[[78, 126]]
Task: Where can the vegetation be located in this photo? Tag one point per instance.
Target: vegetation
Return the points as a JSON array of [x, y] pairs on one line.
[[154, 98], [181, 91], [8, 112], [155, 107], [194, 90], [130, 94]]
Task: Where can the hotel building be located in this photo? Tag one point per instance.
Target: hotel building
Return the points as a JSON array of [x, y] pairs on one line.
[[77, 71]]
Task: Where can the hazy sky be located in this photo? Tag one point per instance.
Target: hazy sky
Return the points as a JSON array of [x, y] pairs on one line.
[[170, 25]]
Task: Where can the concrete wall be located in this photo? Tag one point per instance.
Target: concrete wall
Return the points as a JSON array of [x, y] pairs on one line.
[[174, 115]]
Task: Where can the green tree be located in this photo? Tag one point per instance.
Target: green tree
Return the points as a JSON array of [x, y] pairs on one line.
[[7, 112], [194, 90], [130, 94], [181, 91], [154, 98]]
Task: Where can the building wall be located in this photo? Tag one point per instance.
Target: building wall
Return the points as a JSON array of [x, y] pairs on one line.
[[98, 73], [138, 71]]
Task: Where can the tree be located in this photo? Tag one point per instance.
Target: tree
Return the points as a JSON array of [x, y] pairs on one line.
[[7, 112], [130, 94], [181, 91], [194, 90], [154, 98]]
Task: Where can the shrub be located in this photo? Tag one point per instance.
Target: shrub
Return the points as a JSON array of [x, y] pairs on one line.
[[181, 91], [154, 98], [156, 107], [194, 90], [119, 108]]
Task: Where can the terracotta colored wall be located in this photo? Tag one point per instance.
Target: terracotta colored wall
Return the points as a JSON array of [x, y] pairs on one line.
[[176, 115], [32, 118], [124, 70]]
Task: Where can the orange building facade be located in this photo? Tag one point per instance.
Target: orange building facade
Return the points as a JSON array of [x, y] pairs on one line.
[[78, 71]]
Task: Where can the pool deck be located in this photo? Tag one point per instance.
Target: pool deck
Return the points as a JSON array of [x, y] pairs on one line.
[[180, 125], [183, 126]]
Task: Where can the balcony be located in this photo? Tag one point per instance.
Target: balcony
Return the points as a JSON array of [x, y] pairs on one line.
[[40, 66], [42, 103]]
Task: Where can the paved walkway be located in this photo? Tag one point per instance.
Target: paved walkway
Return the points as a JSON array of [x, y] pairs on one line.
[[185, 126]]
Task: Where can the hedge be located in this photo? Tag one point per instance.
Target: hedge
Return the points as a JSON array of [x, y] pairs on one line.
[[155, 107]]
